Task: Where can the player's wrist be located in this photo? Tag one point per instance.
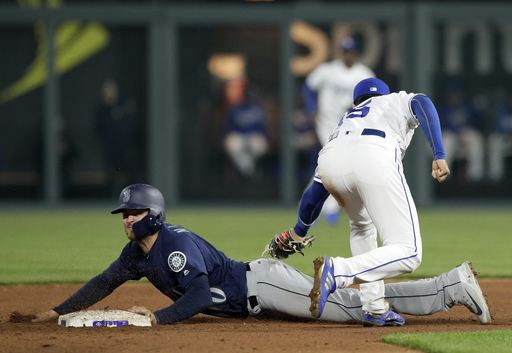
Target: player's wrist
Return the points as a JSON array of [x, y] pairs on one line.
[[153, 319], [294, 235], [300, 230]]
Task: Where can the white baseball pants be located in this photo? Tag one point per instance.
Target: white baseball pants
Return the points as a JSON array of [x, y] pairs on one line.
[[364, 173]]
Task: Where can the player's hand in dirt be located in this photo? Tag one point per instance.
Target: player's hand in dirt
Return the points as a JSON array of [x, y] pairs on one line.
[[46, 316], [143, 311], [440, 170]]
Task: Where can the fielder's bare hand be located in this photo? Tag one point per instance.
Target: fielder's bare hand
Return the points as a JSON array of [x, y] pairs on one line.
[[46, 316], [143, 311], [440, 170]]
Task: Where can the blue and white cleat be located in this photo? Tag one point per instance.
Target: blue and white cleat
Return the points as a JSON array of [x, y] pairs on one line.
[[389, 318], [472, 296], [323, 285]]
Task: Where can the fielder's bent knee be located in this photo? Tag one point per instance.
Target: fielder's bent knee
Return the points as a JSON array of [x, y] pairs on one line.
[[412, 263]]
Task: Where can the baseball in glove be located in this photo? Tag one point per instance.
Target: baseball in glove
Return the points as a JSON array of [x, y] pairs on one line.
[[283, 245]]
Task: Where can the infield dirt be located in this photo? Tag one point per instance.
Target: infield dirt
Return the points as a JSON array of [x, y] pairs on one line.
[[210, 334]]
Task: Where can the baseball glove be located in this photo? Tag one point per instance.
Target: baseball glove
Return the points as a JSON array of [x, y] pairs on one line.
[[283, 245]]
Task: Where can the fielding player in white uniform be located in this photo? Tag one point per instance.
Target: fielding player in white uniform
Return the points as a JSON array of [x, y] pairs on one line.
[[327, 94], [361, 166]]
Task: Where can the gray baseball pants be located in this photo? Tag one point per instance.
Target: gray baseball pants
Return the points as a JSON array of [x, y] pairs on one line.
[[278, 290]]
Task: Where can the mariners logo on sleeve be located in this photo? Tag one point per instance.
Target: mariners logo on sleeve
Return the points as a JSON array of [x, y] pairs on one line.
[[177, 261]]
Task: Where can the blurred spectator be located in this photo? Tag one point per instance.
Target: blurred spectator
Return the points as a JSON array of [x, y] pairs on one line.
[[245, 132], [328, 95], [461, 124], [67, 153], [500, 140], [305, 142], [118, 126], [234, 91]]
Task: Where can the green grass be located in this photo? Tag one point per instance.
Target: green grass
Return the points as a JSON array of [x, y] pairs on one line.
[[72, 246], [455, 342], [454, 236]]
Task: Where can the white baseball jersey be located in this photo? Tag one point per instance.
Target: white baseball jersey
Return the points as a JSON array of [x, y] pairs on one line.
[[334, 83], [390, 113]]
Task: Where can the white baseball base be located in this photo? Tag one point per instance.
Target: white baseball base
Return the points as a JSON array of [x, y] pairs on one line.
[[99, 318]]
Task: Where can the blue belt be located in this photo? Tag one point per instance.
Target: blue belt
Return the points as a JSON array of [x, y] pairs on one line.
[[374, 132]]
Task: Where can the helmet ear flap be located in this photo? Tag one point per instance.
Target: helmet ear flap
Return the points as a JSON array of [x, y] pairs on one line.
[[150, 224], [159, 220]]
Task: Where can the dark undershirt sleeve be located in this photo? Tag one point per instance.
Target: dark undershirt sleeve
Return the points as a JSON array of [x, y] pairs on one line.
[[196, 299], [92, 292], [97, 288]]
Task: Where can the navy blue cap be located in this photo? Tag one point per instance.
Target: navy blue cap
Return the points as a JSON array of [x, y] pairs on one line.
[[349, 44], [370, 86]]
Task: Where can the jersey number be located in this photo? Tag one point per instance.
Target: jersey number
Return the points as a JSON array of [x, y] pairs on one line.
[[358, 112]]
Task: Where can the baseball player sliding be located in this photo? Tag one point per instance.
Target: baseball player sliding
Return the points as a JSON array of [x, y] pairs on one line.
[[201, 279], [361, 167]]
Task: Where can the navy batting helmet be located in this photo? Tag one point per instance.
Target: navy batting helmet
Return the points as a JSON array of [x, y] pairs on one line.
[[143, 197]]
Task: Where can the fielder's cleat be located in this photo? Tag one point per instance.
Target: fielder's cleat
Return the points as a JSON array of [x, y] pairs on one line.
[[472, 296], [323, 285], [389, 318]]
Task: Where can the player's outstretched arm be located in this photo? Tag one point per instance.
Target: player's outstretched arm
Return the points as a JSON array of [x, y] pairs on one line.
[[440, 170], [310, 206], [46, 316], [294, 240]]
